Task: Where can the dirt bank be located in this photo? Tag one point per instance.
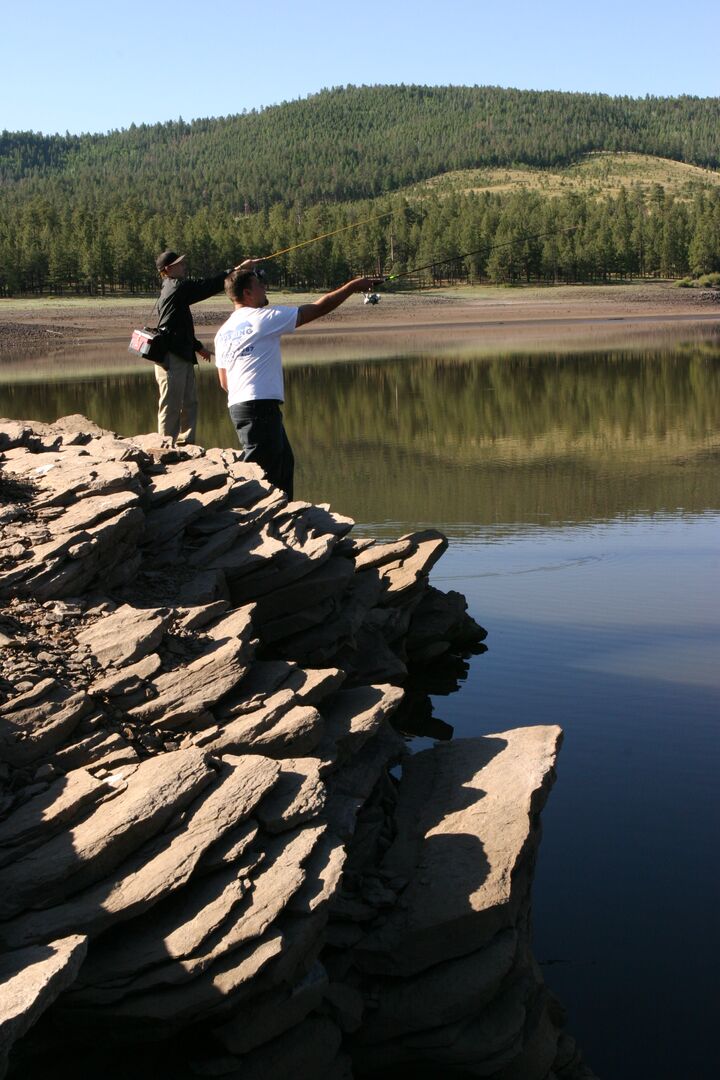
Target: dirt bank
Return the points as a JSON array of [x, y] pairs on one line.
[[512, 315]]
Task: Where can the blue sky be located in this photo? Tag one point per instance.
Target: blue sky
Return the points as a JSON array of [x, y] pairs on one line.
[[94, 66]]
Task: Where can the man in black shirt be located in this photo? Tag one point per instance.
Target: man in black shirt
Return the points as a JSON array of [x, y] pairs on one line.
[[177, 409]]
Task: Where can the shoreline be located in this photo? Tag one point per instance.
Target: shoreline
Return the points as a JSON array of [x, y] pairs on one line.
[[577, 316]]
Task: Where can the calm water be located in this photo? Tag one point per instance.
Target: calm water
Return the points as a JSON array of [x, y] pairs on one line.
[[581, 495]]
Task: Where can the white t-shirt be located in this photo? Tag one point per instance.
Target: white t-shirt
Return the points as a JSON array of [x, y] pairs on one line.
[[248, 347]]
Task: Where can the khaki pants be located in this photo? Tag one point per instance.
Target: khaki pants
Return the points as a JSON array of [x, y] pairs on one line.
[[177, 408]]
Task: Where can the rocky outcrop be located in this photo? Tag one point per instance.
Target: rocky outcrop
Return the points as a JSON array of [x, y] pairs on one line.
[[203, 851]]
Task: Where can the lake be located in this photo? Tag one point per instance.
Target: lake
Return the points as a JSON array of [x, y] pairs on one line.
[[581, 496]]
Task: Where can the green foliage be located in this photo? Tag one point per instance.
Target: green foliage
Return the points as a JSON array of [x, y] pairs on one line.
[[88, 213]]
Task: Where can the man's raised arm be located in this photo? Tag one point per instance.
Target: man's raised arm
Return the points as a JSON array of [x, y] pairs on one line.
[[327, 303]]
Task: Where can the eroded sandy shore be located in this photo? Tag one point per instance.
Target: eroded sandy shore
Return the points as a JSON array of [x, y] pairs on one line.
[[476, 318]]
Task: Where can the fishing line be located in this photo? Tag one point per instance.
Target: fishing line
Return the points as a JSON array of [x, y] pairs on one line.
[[324, 236], [478, 251]]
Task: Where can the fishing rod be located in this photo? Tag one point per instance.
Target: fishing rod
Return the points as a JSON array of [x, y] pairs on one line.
[[478, 251], [324, 236]]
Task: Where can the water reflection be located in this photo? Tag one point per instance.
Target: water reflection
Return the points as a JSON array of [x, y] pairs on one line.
[[582, 496], [503, 443], [612, 630]]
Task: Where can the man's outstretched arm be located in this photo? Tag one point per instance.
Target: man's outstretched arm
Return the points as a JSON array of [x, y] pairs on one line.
[[327, 303]]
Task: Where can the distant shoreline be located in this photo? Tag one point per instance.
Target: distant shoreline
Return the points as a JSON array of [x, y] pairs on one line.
[[473, 316]]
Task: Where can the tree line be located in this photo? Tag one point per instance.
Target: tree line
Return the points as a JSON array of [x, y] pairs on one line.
[[99, 247], [88, 213]]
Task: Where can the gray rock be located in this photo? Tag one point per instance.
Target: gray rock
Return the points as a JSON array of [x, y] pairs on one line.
[[260, 1022], [198, 474], [113, 753], [229, 848], [250, 552], [298, 796], [179, 944], [160, 866], [14, 433], [346, 1005], [158, 1013], [128, 680], [159, 448], [303, 938], [327, 582], [304, 1052], [67, 863], [404, 574], [193, 618], [245, 725], [175, 930], [125, 636], [476, 804], [478, 1046], [96, 748], [97, 551], [443, 994], [206, 587], [297, 733], [218, 543], [323, 873], [237, 624], [170, 520], [31, 980], [64, 802], [540, 1044], [377, 554], [244, 473], [76, 427], [297, 623], [441, 617], [23, 700], [86, 478], [304, 518], [335, 623], [264, 679], [350, 786], [254, 503], [28, 733], [185, 693], [353, 716], [370, 659], [82, 515], [313, 685], [275, 564]]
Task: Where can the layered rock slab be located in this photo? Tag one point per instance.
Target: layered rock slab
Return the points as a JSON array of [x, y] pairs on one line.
[[157, 790], [31, 979], [467, 819], [160, 866], [210, 913]]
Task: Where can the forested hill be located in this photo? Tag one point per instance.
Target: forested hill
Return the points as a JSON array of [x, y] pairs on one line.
[[350, 143], [89, 213]]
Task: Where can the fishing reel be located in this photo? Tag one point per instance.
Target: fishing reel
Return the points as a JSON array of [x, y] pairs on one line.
[[371, 298]]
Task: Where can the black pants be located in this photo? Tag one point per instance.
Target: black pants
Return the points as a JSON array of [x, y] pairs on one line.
[[261, 434]]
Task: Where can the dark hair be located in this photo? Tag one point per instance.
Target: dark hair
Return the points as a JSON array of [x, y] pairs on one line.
[[237, 281]]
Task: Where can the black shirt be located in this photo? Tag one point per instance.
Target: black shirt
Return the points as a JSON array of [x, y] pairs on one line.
[[176, 296]]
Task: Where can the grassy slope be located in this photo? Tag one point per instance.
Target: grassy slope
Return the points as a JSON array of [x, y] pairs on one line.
[[601, 173]]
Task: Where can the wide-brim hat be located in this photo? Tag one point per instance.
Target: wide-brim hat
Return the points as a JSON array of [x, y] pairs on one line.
[[168, 258]]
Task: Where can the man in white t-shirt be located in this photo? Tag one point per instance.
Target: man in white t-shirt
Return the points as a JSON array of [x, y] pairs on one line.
[[247, 355]]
